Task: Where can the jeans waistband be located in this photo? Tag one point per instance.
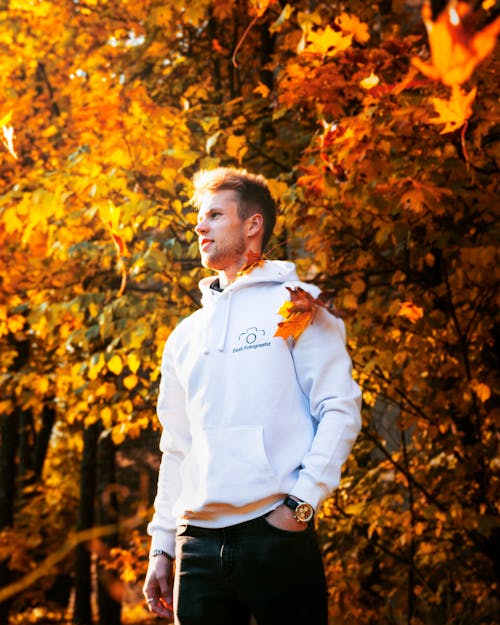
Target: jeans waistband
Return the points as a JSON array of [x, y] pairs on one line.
[[245, 528], [240, 529]]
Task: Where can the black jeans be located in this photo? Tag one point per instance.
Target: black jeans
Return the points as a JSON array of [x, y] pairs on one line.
[[225, 575]]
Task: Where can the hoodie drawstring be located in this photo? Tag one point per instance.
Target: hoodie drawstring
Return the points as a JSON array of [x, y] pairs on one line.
[[222, 342], [210, 325]]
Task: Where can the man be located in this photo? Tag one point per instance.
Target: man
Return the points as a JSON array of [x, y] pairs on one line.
[[255, 430]]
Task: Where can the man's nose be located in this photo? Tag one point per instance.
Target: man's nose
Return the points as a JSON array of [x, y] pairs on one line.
[[200, 227]]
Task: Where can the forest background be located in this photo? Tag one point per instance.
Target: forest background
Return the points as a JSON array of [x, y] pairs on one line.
[[377, 124]]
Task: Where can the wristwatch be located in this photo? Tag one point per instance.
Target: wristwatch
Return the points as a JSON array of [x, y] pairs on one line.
[[302, 511]]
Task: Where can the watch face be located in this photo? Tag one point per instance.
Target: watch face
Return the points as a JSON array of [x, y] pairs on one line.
[[304, 512]]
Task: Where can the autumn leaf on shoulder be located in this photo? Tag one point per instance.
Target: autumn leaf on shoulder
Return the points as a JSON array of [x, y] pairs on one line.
[[253, 261], [298, 313], [455, 49]]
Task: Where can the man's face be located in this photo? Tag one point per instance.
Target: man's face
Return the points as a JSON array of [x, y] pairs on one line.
[[221, 232]]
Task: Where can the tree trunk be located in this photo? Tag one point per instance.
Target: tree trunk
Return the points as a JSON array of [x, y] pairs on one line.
[[8, 445], [42, 439], [82, 614], [109, 588]]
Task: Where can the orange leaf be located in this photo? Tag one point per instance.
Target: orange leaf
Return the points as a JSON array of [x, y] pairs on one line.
[[261, 6], [353, 25], [455, 49], [293, 327], [302, 301], [455, 111], [253, 260], [217, 47], [410, 311], [482, 390], [119, 242], [298, 313]]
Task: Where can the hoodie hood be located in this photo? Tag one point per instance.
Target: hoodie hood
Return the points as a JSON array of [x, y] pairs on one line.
[[275, 271], [217, 304]]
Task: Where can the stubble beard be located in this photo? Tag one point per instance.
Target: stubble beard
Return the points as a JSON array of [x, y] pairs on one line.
[[224, 255]]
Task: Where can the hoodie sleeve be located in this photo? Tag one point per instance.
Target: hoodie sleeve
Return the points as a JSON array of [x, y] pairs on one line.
[[174, 444], [324, 372]]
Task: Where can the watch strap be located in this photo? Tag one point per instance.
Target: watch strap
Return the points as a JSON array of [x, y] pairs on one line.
[[300, 515], [291, 503]]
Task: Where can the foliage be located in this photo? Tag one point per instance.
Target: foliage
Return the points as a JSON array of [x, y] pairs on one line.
[[385, 158]]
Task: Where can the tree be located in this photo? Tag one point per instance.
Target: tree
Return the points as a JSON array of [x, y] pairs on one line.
[[384, 158]]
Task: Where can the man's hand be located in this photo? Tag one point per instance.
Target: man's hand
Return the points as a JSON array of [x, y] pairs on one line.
[[282, 518], [158, 587]]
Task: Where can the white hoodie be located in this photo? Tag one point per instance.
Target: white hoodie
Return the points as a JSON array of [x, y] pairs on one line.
[[248, 417]]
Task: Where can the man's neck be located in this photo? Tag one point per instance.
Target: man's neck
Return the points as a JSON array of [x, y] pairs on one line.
[[225, 278], [227, 275]]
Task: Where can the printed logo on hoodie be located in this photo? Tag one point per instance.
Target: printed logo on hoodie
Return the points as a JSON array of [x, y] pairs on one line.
[[251, 338]]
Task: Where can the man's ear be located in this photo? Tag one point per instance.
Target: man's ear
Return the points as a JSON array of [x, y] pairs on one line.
[[255, 224]]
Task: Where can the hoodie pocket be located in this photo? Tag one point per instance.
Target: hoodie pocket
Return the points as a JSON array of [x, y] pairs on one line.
[[233, 466]]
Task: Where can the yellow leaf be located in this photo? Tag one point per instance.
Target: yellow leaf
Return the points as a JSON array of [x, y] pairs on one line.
[[15, 323], [262, 90], [97, 363], [353, 25], [277, 188], [41, 384], [130, 381], [106, 416], [284, 310], [455, 111], [118, 434], [5, 120], [133, 362], [115, 364], [328, 42], [370, 81]]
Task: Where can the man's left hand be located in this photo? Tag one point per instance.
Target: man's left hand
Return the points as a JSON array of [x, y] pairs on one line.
[[282, 518]]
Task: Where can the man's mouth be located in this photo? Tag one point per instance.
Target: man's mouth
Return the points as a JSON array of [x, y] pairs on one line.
[[204, 243]]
